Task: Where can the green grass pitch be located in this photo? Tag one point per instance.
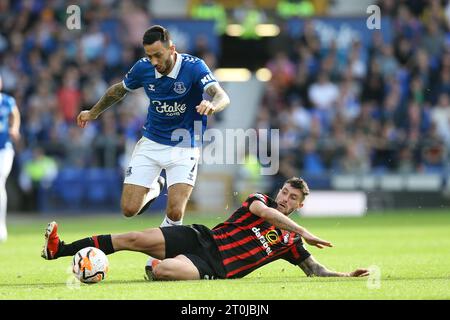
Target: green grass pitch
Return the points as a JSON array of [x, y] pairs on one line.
[[411, 250]]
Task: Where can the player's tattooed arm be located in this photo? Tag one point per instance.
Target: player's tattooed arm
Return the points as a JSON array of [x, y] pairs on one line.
[[220, 99], [114, 94], [313, 268]]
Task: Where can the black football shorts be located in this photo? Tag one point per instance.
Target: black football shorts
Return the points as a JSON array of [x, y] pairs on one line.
[[196, 243]]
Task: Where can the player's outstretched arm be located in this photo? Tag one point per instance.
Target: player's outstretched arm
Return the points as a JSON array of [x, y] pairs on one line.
[[114, 94], [313, 268], [281, 221], [220, 100]]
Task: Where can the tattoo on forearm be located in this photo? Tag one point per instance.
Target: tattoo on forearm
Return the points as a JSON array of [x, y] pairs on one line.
[[212, 90], [306, 269], [114, 94], [312, 268], [280, 222], [220, 98]]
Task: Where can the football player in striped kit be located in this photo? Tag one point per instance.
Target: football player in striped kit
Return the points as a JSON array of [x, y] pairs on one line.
[[257, 233]]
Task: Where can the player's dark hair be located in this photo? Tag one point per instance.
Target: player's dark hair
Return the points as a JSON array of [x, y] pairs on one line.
[[299, 183], [156, 33]]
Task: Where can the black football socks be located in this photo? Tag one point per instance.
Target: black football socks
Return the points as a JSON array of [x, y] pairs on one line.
[[102, 242]]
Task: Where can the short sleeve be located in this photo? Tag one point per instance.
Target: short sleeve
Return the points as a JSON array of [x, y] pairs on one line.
[[297, 254], [132, 79], [203, 75], [260, 197]]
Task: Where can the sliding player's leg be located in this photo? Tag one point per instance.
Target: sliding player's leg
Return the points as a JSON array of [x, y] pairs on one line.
[[177, 268], [150, 241]]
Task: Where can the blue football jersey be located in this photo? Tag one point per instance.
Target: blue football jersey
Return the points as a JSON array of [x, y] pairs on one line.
[[173, 99], [7, 104]]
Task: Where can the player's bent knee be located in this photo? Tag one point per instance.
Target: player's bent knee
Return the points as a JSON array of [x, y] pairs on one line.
[[163, 271], [129, 210], [175, 213], [168, 270]]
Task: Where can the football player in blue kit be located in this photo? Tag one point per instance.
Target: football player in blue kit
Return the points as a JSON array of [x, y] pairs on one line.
[[175, 83], [9, 130]]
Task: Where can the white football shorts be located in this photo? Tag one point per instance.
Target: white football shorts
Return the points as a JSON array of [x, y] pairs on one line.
[[6, 161], [149, 158]]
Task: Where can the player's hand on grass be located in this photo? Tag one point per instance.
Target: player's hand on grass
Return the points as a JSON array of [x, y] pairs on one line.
[[84, 117], [359, 273], [205, 108]]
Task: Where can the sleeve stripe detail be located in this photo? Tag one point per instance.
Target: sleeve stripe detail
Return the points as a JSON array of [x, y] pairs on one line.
[[125, 86], [208, 85]]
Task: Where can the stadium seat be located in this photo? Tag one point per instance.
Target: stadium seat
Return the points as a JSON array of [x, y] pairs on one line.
[[102, 187], [69, 187]]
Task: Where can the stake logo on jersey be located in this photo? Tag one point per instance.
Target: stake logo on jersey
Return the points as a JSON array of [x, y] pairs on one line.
[[173, 97], [169, 110]]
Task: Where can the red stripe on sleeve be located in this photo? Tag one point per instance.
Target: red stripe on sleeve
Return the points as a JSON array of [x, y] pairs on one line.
[[95, 241], [295, 252]]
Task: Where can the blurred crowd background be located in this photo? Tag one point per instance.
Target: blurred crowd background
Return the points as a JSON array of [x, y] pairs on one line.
[[383, 108], [378, 108]]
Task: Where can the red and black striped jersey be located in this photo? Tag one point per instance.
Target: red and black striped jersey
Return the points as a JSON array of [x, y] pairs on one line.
[[247, 242]]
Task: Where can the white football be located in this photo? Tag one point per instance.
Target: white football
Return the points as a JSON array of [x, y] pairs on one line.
[[90, 265]]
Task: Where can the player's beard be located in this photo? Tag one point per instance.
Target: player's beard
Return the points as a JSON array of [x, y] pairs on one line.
[[167, 66]]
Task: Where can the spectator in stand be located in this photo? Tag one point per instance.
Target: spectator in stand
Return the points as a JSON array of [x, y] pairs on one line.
[[440, 116], [323, 93], [136, 20], [312, 162], [69, 95], [37, 172], [282, 69], [433, 39]]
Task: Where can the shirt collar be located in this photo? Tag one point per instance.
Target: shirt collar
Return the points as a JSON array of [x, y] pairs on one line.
[[175, 70]]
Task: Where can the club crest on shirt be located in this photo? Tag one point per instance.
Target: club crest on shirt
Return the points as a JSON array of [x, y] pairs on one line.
[[286, 238], [179, 87]]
